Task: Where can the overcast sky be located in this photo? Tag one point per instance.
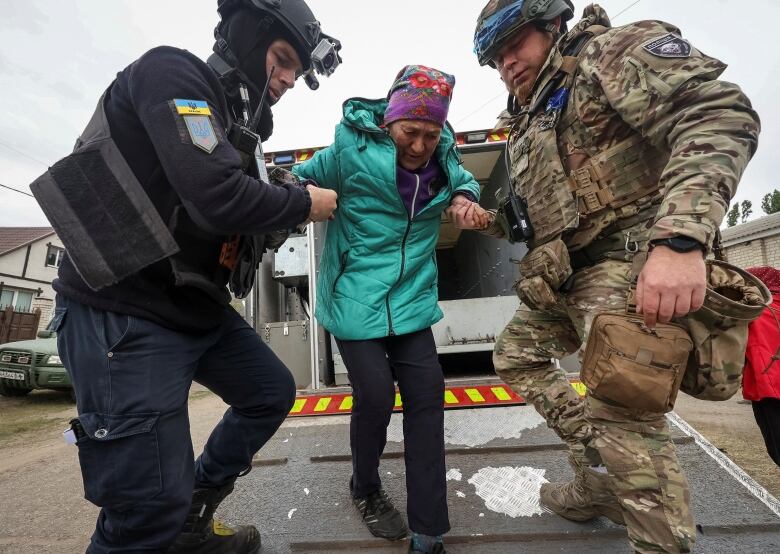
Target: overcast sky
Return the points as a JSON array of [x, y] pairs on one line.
[[57, 56]]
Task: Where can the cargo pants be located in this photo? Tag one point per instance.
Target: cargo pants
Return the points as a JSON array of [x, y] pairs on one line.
[[635, 446], [132, 378]]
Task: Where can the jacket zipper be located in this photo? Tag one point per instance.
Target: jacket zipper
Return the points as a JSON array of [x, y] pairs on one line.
[[403, 256], [408, 224]]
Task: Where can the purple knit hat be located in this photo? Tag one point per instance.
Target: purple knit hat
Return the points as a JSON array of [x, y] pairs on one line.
[[420, 92]]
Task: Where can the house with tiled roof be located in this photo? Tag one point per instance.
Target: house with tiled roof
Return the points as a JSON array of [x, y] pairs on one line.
[[29, 258], [753, 243]]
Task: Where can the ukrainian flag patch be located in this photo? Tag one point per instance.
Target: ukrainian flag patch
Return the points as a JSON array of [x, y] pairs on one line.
[[191, 107]]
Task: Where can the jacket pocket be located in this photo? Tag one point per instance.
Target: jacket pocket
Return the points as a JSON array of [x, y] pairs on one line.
[[342, 269], [58, 320], [120, 459], [117, 328]]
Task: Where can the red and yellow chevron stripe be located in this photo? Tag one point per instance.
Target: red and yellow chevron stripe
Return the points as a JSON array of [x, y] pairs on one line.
[[454, 397]]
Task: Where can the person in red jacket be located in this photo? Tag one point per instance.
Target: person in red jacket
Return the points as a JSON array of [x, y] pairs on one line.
[[761, 377]]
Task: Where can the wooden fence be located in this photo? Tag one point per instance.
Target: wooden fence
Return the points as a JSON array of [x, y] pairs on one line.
[[18, 325]]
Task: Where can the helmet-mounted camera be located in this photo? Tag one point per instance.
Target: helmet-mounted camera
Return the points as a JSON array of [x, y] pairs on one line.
[[325, 57], [324, 60], [318, 51]]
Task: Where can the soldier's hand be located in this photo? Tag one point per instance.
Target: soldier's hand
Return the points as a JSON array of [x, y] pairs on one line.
[[671, 285], [323, 202], [481, 218]]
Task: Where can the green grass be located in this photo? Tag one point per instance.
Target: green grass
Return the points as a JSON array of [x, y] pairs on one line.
[[39, 413], [10, 430], [198, 394]]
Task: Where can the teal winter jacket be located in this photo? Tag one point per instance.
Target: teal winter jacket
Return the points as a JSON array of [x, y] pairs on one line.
[[378, 273]]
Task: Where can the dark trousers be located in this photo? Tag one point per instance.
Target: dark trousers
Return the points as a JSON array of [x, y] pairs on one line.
[[132, 379], [370, 365], [767, 412]]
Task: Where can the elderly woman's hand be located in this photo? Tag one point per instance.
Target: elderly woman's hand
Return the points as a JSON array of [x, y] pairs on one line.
[[466, 214]]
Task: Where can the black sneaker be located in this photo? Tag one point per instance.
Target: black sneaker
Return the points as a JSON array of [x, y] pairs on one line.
[[380, 516]]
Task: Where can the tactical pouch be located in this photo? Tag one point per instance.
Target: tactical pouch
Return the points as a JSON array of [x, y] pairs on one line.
[[542, 272], [633, 366], [719, 331]]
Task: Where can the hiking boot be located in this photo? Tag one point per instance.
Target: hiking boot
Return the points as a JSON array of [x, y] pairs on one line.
[[588, 496], [380, 516], [202, 534]]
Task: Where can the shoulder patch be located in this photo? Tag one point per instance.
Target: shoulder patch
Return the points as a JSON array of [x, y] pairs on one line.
[[201, 132], [191, 107], [668, 46]]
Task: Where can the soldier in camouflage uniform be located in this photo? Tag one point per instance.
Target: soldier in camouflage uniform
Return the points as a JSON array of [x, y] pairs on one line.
[[622, 142]]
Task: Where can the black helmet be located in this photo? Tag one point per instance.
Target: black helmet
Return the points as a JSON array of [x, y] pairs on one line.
[[318, 51], [500, 19]]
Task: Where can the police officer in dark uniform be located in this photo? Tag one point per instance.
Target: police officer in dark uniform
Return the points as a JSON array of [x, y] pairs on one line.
[[161, 179]]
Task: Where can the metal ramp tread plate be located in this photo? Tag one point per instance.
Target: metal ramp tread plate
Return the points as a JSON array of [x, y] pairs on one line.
[[297, 495]]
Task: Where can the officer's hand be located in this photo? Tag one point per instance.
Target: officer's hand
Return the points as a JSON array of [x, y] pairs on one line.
[[670, 285], [323, 202]]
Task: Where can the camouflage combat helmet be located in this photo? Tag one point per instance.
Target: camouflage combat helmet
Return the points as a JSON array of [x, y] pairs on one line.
[[500, 19]]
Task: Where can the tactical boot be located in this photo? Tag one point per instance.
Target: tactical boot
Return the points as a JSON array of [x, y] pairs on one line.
[[202, 534], [588, 496]]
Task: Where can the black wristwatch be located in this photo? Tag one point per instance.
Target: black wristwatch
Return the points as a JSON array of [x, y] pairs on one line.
[[680, 244]]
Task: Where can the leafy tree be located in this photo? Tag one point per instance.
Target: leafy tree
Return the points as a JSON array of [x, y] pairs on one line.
[[733, 216], [771, 202], [747, 209]]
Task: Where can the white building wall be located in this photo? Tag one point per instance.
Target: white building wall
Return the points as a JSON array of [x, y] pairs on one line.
[[12, 263], [765, 251], [36, 266], [37, 277]]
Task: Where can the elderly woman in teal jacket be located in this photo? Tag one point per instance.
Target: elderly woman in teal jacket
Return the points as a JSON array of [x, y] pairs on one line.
[[395, 167]]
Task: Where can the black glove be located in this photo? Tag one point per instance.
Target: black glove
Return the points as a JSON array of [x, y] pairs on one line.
[[250, 254]]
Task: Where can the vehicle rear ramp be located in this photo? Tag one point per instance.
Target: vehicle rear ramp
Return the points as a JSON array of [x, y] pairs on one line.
[[297, 493]]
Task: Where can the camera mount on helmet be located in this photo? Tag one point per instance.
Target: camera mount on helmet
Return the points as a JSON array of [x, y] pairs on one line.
[[318, 52]]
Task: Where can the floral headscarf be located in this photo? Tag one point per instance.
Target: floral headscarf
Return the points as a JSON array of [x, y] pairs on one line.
[[421, 93]]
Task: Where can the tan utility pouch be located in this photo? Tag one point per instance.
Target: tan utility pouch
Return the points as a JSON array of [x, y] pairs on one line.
[[633, 366], [719, 330], [542, 271]]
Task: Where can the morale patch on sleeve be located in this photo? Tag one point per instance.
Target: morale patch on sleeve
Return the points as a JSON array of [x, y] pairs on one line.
[[669, 46], [201, 132], [191, 107]]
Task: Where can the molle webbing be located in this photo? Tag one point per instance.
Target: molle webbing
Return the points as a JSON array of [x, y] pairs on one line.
[[537, 171], [543, 183], [618, 176]]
